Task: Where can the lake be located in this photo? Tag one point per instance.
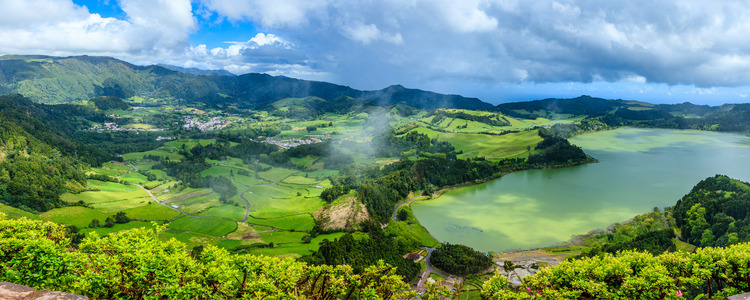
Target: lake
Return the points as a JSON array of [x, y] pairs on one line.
[[638, 169]]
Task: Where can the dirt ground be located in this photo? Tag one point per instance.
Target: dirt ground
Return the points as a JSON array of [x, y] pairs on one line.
[[342, 216], [538, 255]]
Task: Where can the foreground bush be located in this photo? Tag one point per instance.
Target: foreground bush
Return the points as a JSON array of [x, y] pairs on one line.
[[135, 264], [711, 273]]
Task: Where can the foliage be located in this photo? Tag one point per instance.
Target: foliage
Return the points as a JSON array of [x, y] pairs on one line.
[[459, 259], [109, 102], [135, 264], [716, 212], [360, 252], [556, 150]]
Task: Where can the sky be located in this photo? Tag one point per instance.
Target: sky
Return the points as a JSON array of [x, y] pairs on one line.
[[497, 50]]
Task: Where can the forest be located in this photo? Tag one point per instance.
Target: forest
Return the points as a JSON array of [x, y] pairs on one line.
[[715, 212]]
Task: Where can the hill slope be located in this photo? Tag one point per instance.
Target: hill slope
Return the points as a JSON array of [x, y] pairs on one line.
[[74, 79]]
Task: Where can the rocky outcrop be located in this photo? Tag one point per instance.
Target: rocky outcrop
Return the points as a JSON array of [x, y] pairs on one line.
[[12, 291]]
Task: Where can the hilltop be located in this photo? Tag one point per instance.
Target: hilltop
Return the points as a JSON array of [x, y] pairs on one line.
[[76, 79]]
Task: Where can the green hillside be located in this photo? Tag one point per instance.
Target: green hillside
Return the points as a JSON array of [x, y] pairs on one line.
[[76, 79]]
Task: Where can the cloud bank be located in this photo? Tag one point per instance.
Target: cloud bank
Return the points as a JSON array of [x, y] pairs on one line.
[[371, 44]]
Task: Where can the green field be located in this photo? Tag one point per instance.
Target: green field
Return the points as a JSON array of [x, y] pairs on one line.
[[276, 174], [111, 197], [152, 212], [298, 222], [169, 153], [135, 178], [301, 180], [226, 211], [15, 213], [492, 147], [209, 226], [189, 143], [74, 215], [198, 204], [111, 169], [118, 227], [290, 243]]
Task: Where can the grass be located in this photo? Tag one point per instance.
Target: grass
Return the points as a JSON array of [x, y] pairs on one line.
[[301, 180], [189, 143], [306, 161], [268, 201], [118, 227], [135, 178], [684, 247], [411, 229], [209, 226], [111, 197], [226, 211], [289, 244], [301, 222], [191, 239], [16, 213], [198, 204], [169, 153], [276, 174], [492, 147], [152, 212], [74, 215]]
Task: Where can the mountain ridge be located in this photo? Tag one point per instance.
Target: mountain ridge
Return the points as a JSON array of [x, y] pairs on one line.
[[75, 79]]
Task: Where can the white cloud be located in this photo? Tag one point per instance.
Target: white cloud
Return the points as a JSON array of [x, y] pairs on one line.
[[466, 15], [371, 44], [269, 13], [153, 29]]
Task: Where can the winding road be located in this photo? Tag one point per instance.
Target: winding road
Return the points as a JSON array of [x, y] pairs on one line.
[[429, 264]]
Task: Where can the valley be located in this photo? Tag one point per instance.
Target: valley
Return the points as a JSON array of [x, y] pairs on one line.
[[332, 176]]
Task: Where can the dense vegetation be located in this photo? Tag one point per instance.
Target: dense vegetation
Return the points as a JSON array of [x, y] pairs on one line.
[[360, 252], [554, 150], [136, 265], [460, 260], [715, 213]]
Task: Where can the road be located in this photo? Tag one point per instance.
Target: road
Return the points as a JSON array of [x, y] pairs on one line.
[[429, 265], [395, 209]]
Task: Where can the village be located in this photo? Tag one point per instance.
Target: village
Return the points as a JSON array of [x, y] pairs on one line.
[[214, 123], [292, 142]]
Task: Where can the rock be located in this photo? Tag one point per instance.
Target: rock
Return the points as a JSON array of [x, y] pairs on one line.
[[745, 296], [522, 272], [514, 280], [12, 291]]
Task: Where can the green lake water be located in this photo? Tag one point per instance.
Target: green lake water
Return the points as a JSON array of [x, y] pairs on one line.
[[638, 169]]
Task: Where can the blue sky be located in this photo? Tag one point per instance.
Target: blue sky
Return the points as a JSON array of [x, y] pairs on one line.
[[497, 50]]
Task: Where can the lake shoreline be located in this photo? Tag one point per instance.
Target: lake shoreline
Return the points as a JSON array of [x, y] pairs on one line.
[[640, 168], [497, 176]]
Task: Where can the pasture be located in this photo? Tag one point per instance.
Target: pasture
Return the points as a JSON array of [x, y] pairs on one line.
[[151, 212], [209, 226], [111, 197], [16, 213], [74, 215], [492, 147]]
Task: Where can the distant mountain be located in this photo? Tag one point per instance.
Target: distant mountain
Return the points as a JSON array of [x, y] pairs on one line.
[[75, 79], [196, 71], [583, 105], [727, 117]]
